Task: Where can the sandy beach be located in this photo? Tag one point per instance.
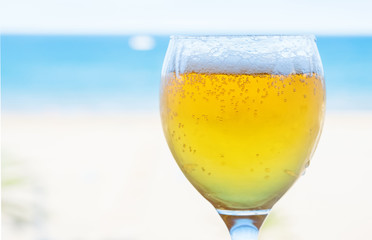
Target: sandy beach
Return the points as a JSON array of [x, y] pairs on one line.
[[111, 177]]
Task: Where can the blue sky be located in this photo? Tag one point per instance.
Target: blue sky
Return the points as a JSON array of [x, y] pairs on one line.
[[92, 68], [326, 17]]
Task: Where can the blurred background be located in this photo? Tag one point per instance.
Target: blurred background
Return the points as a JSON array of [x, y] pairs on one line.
[[83, 155]]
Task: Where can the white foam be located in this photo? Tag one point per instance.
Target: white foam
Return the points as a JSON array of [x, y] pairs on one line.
[[243, 55]]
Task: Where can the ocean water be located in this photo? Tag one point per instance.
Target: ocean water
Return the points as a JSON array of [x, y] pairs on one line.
[[104, 73]]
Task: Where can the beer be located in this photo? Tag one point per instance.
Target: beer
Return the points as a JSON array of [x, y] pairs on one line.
[[242, 139]]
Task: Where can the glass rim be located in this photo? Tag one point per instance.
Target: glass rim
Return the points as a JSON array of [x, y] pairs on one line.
[[216, 36]]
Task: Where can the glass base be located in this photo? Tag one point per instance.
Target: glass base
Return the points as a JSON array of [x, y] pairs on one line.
[[244, 212], [243, 224]]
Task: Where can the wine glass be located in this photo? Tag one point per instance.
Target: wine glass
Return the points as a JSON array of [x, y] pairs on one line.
[[242, 116]]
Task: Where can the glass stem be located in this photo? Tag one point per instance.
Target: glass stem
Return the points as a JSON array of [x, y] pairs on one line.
[[243, 225]]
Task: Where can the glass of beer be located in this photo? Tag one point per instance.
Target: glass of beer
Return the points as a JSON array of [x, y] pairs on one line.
[[242, 116]]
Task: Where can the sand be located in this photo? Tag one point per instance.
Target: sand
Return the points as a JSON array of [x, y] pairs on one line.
[[111, 177]]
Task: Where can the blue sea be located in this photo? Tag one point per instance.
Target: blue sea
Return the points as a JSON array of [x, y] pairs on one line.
[[103, 73]]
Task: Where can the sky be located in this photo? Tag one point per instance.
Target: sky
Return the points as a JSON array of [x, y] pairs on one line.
[[326, 17]]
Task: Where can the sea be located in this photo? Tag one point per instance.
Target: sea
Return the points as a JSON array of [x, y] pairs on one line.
[[106, 73]]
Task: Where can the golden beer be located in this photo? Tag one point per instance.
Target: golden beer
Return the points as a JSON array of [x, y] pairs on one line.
[[242, 139]]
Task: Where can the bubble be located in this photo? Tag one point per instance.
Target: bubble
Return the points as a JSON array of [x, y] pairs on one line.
[[190, 166], [290, 173]]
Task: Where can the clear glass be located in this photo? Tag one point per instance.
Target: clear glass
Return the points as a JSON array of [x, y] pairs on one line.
[[242, 116]]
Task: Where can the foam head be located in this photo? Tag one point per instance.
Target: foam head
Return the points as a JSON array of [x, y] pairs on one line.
[[279, 55]]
